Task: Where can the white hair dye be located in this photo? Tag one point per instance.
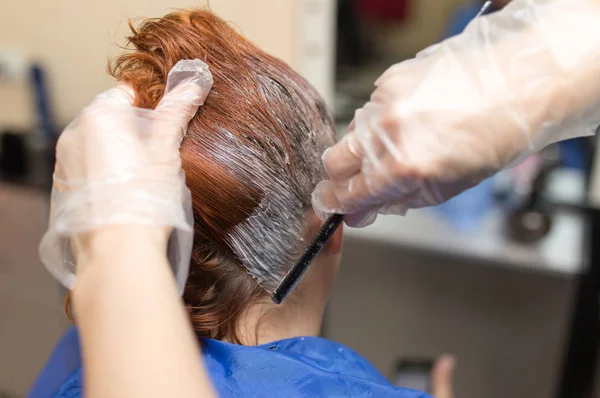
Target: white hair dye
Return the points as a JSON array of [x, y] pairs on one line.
[[269, 241]]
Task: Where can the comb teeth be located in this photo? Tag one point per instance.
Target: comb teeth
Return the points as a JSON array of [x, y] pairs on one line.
[[295, 274]]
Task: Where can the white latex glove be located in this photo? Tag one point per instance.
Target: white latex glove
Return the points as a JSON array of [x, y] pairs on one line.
[[117, 164], [514, 82]]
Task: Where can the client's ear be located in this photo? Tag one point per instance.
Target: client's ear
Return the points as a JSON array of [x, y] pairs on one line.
[[335, 244]]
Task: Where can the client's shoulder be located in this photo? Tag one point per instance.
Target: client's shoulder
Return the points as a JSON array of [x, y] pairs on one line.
[[61, 376], [295, 367]]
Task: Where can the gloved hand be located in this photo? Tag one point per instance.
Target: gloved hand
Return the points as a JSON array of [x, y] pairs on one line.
[[514, 82], [117, 164]]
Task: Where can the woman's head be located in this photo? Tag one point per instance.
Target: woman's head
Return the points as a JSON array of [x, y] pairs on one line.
[[251, 157]]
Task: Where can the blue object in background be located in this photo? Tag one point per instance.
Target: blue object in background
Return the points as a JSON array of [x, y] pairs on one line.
[[573, 154], [296, 367], [45, 126], [465, 212], [461, 18]]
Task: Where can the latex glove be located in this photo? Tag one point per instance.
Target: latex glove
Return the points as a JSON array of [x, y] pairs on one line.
[[117, 164], [514, 82]]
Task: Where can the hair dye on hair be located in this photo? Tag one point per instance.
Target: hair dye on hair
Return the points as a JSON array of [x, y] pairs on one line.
[[251, 157]]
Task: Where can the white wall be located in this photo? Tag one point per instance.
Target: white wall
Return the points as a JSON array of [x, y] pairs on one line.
[[75, 38]]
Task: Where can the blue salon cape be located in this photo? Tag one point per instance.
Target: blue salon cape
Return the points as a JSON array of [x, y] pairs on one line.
[[297, 367]]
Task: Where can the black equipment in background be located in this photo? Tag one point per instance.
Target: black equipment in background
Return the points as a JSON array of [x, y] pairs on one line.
[[14, 156], [414, 374]]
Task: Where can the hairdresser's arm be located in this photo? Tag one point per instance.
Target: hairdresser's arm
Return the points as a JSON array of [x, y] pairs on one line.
[[135, 334], [512, 83], [118, 194]]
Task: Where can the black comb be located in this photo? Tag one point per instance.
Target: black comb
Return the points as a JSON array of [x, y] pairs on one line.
[[294, 275]]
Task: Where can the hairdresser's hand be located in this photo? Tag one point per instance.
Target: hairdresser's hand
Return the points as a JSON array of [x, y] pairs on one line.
[[117, 164], [442, 377], [512, 83]]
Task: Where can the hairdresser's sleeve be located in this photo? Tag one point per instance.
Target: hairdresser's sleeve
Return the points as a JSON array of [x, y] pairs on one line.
[[512, 83]]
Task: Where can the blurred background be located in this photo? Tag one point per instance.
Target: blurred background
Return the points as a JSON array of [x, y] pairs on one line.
[[503, 277]]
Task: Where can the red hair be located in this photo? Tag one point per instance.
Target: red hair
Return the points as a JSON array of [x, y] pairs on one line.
[[262, 104]]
